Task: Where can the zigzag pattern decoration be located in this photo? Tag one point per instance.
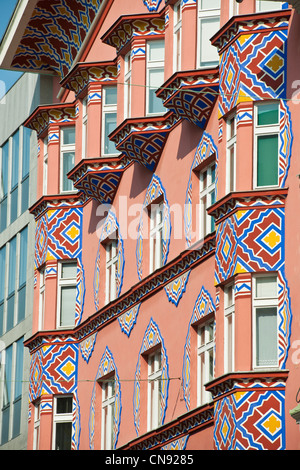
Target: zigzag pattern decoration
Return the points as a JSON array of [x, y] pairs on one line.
[[191, 96], [51, 117], [106, 366], [87, 347], [91, 75], [286, 142], [53, 370], [252, 61], [128, 319], [250, 241], [110, 227], [151, 338], [204, 306], [140, 26], [143, 140], [285, 319], [178, 444], [176, 288], [76, 428], [251, 418], [80, 292], [54, 35], [152, 5], [242, 286], [154, 190], [206, 148], [64, 233]]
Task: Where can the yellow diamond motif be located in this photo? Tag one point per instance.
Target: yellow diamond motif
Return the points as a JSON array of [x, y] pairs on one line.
[[224, 429], [272, 239], [68, 368], [275, 63], [73, 232], [226, 248], [272, 424]]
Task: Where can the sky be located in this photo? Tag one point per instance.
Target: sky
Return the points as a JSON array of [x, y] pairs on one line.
[[7, 78]]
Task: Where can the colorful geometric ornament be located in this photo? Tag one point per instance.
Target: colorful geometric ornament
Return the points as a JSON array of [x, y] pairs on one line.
[[151, 338], [128, 319], [206, 148], [110, 227], [178, 444], [87, 347], [176, 288], [152, 5], [107, 365], [204, 306], [154, 191]]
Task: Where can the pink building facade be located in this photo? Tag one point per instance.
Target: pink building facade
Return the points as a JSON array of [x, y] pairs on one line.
[[166, 255]]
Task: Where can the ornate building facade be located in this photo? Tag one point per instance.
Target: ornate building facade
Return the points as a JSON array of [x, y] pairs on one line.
[[166, 261]]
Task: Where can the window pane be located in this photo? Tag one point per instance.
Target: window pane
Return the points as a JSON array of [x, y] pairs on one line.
[[63, 436], [208, 53], [68, 302], [69, 270], [14, 205], [1, 318], [110, 95], [110, 123], [266, 336], [69, 135], [23, 256], [156, 51], [15, 160], [266, 286], [4, 172], [267, 114], [3, 214], [2, 271], [68, 164], [10, 312], [21, 303], [5, 425], [267, 6], [19, 368], [7, 376], [64, 405], [26, 151], [156, 78], [17, 417], [12, 266], [25, 195], [210, 4], [267, 160]]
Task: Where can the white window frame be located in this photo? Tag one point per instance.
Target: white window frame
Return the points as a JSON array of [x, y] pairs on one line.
[[65, 148], [106, 110], [127, 85], [36, 425], [111, 248], [107, 413], [41, 299], [205, 14], [264, 130], [206, 192], [60, 417], [268, 8], [177, 35], [45, 166], [231, 154], [233, 8], [205, 350], [61, 283], [229, 328], [263, 302], [154, 390], [84, 126], [156, 235], [150, 66]]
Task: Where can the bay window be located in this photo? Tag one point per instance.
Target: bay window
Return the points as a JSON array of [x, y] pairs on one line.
[[265, 304], [154, 390], [231, 154], [109, 118], [108, 413], [62, 423], [155, 76], [229, 328], [208, 25], [67, 273], [205, 360], [207, 198], [266, 144], [67, 162]]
